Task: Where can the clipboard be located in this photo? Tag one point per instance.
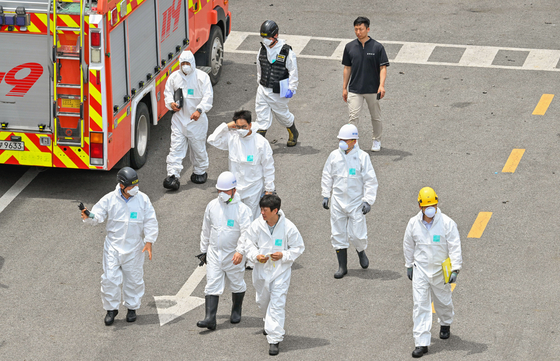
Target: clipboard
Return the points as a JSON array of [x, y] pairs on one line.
[[178, 97], [446, 266]]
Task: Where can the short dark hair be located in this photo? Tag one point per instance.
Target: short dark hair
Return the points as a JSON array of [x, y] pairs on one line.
[[271, 201], [361, 20], [242, 114]]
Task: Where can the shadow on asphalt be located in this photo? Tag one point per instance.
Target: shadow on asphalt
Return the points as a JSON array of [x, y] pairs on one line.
[[374, 274], [222, 323], [400, 154], [292, 342], [298, 149], [1, 265], [455, 343]]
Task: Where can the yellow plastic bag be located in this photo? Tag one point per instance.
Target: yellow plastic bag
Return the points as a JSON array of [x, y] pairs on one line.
[[446, 266]]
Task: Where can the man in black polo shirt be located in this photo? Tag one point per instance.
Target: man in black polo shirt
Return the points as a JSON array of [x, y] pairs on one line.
[[365, 69]]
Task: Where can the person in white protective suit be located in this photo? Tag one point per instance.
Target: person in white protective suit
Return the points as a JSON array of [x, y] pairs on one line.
[[132, 228], [349, 176], [275, 243], [226, 220], [430, 238], [275, 62], [189, 124], [250, 158]]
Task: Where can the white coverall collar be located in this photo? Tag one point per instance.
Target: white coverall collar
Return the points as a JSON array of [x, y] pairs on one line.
[[436, 218]]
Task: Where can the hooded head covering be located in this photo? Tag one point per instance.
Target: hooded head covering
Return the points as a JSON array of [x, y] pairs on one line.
[[191, 80], [187, 56]]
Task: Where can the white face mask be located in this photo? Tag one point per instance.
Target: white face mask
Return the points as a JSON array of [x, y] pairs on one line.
[[343, 145], [430, 212], [134, 191], [243, 132], [224, 197], [187, 69], [267, 42]]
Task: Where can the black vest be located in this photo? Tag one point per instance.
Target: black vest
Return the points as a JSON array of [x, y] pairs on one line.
[[271, 74]]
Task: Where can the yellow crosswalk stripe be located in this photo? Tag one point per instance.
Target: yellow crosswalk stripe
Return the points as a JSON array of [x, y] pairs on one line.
[[543, 104], [479, 225], [513, 161]]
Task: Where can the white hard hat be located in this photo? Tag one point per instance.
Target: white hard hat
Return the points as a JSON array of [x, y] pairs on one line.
[[348, 131], [226, 181]]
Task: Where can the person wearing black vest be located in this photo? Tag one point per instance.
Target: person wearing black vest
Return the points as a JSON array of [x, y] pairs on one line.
[[275, 62]]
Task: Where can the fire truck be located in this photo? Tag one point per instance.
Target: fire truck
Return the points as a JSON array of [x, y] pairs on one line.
[[81, 81]]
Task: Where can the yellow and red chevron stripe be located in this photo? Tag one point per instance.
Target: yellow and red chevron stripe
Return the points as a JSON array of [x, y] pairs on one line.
[[130, 6], [95, 102], [35, 154], [38, 24], [72, 157]]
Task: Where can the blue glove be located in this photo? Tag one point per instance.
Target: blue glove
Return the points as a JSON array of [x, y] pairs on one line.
[[366, 208], [326, 203], [409, 273], [289, 94], [453, 277]]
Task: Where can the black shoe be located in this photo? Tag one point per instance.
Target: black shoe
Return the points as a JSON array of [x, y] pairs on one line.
[[364, 261], [209, 321], [273, 350], [171, 182], [110, 317], [419, 351], [262, 132], [293, 135], [237, 300], [199, 178], [444, 332], [131, 316], [341, 254], [264, 332]]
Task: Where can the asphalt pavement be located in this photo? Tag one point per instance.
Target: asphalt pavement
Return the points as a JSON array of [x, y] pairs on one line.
[[448, 127]]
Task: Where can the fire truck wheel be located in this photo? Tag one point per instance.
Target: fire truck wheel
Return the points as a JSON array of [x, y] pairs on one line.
[[139, 154], [215, 53]]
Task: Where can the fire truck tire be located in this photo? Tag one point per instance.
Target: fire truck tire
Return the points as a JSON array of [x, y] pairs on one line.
[[215, 53], [139, 154]]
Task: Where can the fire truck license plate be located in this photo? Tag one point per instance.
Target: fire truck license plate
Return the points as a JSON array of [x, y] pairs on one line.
[[70, 103], [9, 145]]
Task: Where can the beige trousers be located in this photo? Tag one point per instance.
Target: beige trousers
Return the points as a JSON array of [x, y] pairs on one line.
[[355, 103]]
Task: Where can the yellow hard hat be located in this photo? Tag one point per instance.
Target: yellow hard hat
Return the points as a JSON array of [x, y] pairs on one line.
[[427, 197]]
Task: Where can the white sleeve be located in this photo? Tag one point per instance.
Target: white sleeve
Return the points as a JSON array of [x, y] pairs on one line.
[[326, 179], [220, 137], [295, 244], [291, 65], [408, 246], [206, 229], [454, 246], [244, 224], [207, 91], [268, 168], [99, 211], [151, 229], [250, 242], [258, 68], [169, 91], [370, 180]]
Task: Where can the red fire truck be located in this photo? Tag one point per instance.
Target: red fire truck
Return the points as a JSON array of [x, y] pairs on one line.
[[81, 81]]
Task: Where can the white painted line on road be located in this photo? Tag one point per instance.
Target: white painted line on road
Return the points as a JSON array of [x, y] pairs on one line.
[[416, 53], [16, 189], [171, 307]]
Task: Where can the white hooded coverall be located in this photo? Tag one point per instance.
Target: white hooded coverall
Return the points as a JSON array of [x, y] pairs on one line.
[[272, 279], [185, 132], [425, 250], [129, 226], [352, 181], [223, 227], [267, 102], [250, 160]]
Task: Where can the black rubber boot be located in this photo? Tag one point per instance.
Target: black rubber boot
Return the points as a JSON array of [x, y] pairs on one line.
[[237, 300], [273, 350], [444, 332], [199, 178], [294, 134], [364, 261], [262, 132], [419, 351], [110, 317], [341, 254], [209, 321], [131, 316], [171, 182]]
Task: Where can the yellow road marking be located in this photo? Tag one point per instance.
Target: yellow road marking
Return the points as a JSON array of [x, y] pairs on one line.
[[513, 161], [479, 225], [453, 285], [545, 101]]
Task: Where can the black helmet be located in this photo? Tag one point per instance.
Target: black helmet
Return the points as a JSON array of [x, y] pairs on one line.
[[127, 176], [269, 29]]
